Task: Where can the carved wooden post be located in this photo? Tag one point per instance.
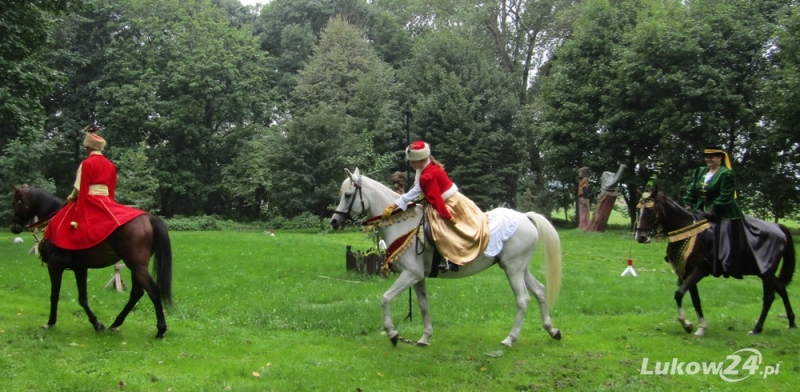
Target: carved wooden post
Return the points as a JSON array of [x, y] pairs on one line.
[[605, 203], [583, 198]]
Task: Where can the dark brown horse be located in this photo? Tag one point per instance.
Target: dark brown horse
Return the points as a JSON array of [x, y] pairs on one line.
[[134, 243], [659, 215]]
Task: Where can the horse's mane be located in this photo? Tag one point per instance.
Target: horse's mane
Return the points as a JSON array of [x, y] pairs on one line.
[[672, 205], [49, 202], [668, 200], [381, 186]]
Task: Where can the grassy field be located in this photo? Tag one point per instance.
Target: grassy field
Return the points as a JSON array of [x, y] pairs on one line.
[[261, 313]]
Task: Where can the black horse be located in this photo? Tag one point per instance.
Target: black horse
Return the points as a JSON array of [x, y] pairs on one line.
[[687, 253], [134, 243]]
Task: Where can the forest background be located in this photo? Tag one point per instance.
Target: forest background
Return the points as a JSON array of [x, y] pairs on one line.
[[248, 113]]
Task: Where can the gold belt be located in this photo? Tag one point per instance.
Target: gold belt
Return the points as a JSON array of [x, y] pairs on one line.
[[98, 190]]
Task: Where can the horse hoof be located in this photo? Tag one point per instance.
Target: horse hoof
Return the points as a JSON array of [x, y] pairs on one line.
[[114, 329], [395, 338], [792, 325], [507, 342], [557, 335], [47, 326], [99, 327], [423, 344], [688, 328], [753, 333]]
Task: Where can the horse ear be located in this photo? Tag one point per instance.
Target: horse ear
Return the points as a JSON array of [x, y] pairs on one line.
[[654, 192], [349, 175], [356, 173], [16, 188]]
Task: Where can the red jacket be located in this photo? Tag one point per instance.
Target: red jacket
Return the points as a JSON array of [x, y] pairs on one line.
[[97, 216], [434, 181]]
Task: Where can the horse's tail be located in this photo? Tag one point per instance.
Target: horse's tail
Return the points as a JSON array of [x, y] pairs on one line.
[[787, 269], [552, 253], [162, 249]]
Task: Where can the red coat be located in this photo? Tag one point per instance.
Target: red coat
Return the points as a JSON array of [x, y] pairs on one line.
[[434, 181], [97, 216]]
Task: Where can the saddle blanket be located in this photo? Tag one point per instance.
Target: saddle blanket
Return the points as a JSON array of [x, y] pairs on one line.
[[502, 225]]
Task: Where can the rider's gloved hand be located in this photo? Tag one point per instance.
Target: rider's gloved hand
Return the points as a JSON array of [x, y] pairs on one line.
[[711, 215], [72, 196], [387, 212]]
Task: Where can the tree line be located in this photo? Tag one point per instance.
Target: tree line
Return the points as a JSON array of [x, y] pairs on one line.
[[250, 113]]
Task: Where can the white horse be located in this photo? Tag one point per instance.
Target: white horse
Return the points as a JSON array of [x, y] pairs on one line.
[[361, 195]]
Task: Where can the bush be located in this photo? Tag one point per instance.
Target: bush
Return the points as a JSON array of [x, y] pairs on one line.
[[306, 220], [200, 223]]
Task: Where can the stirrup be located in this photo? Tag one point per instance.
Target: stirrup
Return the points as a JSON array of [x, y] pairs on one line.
[[448, 266]]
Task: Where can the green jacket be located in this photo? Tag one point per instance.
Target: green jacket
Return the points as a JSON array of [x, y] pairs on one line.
[[717, 194]]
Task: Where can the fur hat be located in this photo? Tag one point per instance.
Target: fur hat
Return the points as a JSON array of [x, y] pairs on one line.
[[92, 140], [418, 150]]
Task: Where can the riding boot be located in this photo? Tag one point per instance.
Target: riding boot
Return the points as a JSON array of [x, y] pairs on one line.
[[447, 266], [452, 266]]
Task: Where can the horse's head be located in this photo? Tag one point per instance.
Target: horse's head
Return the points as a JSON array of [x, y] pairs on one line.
[[649, 213], [352, 203], [659, 214], [23, 209]]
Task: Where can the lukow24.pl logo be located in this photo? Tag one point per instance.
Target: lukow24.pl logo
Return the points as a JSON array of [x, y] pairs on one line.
[[736, 367]]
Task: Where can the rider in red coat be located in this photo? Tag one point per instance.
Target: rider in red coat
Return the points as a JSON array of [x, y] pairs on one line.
[[91, 213], [459, 228]]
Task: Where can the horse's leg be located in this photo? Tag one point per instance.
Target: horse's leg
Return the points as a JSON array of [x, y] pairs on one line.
[[142, 281], [516, 279], [81, 276], [136, 293], [695, 276], [403, 282], [781, 289], [155, 296], [767, 282], [56, 272], [701, 328], [422, 300], [538, 291]]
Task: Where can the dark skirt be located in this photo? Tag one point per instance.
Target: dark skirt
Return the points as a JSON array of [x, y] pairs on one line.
[[746, 246]]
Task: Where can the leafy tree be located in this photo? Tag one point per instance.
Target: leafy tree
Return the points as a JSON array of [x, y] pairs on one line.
[[136, 182], [343, 112], [774, 167], [178, 76], [462, 106], [642, 82], [25, 79], [248, 180], [289, 29]]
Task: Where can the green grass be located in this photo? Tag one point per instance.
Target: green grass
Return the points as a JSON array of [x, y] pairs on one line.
[[260, 313]]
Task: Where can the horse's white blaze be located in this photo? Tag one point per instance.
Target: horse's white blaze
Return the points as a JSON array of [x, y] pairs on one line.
[[514, 259]]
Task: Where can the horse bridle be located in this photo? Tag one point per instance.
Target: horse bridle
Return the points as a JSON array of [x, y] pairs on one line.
[[14, 217], [357, 185], [649, 203]]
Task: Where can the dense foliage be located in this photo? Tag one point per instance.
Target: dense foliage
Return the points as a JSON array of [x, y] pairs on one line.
[[212, 108]]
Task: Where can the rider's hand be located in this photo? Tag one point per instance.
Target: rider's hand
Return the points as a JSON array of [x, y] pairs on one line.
[[711, 215], [387, 212], [72, 197], [688, 208]]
